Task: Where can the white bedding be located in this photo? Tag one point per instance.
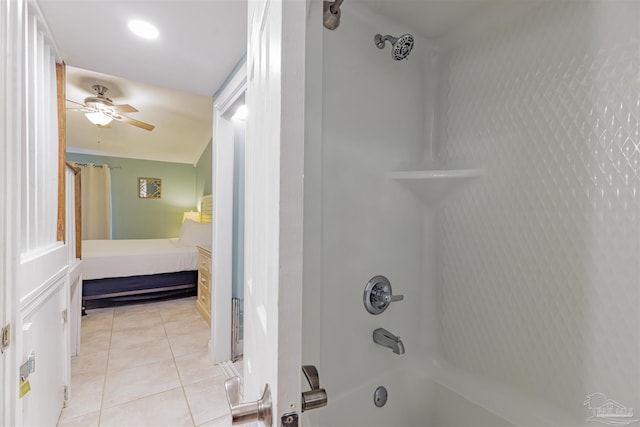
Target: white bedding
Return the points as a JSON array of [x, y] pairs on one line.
[[122, 258]]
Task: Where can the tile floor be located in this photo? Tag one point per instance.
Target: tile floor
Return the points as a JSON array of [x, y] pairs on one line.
[[145, 365]]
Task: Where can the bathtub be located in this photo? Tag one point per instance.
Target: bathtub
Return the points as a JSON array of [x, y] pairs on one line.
[[438, 395], [412, 402]]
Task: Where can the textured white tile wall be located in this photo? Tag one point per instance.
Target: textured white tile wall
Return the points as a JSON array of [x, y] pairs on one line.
[[540, 261]]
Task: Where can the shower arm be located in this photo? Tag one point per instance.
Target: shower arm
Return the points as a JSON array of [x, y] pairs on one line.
[[331, 14], [380, 40], [335, 6]]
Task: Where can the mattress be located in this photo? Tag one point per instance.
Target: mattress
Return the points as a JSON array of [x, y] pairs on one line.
[[122, 258]]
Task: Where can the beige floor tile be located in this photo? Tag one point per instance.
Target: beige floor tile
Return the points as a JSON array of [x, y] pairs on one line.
[[126, 369], [136, 308], [95, 341], [164, 409], [96, 322], [196, 342], [185, 305], [128, 337], [177, 303], [99, 313], [90, 379], [136, 320], [86, 395], [89, 420], [82, 404], [196, 367], [133, 383], [95, 327], [180, 315], [96, 313], [90, 362], [140, 354], [218, 422], [186, 326], [207, 400]]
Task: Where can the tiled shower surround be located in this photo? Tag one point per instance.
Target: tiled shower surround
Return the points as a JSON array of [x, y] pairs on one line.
[[540, 258]]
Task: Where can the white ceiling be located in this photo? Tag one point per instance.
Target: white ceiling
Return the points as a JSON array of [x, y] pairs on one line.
[[200, 43], [170, 80], [182, 120]]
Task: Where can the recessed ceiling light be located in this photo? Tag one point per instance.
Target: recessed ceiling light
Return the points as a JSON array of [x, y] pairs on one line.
[[143, 29]]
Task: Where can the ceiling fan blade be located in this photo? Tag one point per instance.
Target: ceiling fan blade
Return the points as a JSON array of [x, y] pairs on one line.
[[74, 102], [83, 109], [124, 108], [104, 126], [134, 122]]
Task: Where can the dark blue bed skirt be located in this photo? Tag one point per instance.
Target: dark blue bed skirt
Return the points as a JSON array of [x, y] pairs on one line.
[[114, 290]]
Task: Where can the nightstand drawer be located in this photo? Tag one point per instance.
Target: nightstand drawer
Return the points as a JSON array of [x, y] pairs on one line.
[[204, 282], [204, 263], [204, 299], [203, 303]]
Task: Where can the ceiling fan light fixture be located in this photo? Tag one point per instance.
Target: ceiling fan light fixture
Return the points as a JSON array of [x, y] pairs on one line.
[[98, 118], [143, 29]]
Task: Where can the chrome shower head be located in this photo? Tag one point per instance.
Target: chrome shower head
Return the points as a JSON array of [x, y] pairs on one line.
[[401, 46]]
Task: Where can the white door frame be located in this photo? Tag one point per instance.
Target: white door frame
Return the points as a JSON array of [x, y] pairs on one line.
[[10, 122], [274, 202], [222, 191]]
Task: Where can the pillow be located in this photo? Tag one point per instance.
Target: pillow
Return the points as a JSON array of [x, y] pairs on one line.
[[195, 234]]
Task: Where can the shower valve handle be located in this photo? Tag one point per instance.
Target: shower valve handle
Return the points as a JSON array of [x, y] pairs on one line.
[[378, 295], [392, 298]]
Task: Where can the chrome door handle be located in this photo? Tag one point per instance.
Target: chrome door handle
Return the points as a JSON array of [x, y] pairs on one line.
[[316, 397], [242, 413]]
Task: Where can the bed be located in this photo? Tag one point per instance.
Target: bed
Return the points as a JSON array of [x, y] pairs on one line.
[[117, 271]]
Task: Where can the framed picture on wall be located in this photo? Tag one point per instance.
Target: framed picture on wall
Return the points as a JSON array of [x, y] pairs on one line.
[[149, 188]]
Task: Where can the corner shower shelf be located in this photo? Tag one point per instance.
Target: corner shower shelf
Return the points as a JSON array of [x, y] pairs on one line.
[[432, 186]]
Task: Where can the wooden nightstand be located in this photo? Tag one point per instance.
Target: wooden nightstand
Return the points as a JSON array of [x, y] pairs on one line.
[[203, 303]]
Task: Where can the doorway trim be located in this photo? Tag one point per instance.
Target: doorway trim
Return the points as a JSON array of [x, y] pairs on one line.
[[222, 189]]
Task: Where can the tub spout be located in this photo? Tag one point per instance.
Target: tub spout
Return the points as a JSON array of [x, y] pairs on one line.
[[386, 339]]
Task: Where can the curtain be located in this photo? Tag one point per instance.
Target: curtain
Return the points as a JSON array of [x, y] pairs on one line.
[[96, 200]]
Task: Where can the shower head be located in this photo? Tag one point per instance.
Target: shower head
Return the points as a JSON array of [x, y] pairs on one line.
[[401, 46]]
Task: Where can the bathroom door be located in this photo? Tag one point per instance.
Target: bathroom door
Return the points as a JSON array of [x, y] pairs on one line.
[[274, 202], [34, 264], [9, 16]]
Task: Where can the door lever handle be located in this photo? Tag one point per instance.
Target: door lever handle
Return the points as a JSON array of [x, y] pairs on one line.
[[242, 413], [311, 373], [316, 397]]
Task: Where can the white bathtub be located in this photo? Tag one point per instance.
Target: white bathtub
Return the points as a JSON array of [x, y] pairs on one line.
[[438, 395], [413, 401]]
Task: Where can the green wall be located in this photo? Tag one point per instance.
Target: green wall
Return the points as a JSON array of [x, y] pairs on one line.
[[135, 218], [203, 173]]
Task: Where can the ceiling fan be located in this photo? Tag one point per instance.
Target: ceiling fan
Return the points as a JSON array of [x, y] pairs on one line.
[[101, 110]]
